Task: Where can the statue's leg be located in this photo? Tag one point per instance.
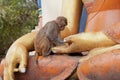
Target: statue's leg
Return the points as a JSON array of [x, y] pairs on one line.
[[101, 67], [98, 51], [53, 67]]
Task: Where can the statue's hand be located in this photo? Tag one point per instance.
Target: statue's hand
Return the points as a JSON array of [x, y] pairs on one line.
[[73, 45], [15, 61], [20, 64]]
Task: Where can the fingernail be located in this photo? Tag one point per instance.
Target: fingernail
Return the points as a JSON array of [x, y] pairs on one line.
[[23, 70], [64, 40], [54, 51]]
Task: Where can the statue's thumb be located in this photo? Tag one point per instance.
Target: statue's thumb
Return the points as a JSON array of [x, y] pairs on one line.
[[68, 39], [20, 69]]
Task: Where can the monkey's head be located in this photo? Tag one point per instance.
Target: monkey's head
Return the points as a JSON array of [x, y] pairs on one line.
[[62, 22]]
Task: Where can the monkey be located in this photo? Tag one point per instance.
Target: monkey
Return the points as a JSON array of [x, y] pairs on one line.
[[49, 36]]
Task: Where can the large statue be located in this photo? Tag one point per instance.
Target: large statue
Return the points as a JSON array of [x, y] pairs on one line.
[[102, 30]]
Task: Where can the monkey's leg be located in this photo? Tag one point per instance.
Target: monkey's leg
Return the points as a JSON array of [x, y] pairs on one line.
[[46, 52], [46, 47]]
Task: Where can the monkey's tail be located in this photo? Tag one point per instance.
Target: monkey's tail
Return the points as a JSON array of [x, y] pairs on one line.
[[35, 55], [36, 58]]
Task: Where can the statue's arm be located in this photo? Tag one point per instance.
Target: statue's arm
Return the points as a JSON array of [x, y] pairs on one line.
[[73, 13]]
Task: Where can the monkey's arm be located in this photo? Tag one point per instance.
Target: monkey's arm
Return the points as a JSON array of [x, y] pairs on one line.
[[59, 41]]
